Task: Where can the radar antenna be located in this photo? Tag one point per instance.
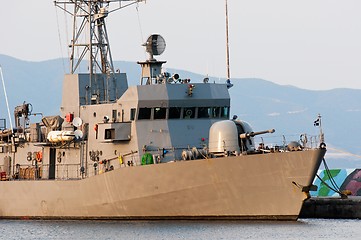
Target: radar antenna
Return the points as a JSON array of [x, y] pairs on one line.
[[152, 68], [89, 32], [154, 46]]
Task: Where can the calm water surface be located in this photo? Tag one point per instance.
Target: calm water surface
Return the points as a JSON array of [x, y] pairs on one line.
[[302, 229]]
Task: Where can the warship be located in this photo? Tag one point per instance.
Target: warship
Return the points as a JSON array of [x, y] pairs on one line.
[[164, 149]]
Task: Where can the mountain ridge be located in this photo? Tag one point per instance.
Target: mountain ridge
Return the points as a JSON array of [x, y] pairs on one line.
[[262, 103]]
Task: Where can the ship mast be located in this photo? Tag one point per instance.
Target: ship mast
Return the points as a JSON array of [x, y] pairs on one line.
[[227, 44], [90, 36]]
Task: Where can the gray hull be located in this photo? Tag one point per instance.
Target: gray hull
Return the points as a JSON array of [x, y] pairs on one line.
[[260, 186]]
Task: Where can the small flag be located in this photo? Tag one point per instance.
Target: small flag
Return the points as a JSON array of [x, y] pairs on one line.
[[316, 123]]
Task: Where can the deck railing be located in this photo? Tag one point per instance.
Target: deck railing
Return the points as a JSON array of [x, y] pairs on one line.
[[41, 171], [65, 171]]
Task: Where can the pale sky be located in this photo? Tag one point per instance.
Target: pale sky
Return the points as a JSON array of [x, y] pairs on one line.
[[312, 44]]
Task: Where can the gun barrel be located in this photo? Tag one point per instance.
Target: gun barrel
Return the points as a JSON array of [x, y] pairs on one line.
[[252, 134]]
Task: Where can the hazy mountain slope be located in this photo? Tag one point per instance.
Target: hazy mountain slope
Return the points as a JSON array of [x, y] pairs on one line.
[[290, 110]]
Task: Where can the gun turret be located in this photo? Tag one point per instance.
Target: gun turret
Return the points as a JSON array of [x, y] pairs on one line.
[[252, 134]]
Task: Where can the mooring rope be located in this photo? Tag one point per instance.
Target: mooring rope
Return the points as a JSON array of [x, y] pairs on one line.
[[334, 187]]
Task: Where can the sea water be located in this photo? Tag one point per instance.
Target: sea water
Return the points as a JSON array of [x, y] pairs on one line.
[[301, 229]]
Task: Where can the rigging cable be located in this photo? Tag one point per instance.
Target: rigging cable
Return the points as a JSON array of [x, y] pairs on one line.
[[66, 29], [6, 98], [140, 28], [59, 36], [342, 151]]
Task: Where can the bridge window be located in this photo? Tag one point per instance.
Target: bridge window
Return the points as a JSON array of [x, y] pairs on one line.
[[215, 112], [204, 112], [160, 113], [224, 112], [189, 112], [144, 113], [175, 112], [178, 112]]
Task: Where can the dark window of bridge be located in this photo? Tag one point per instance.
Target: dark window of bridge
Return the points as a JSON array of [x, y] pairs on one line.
[[224, 112], [215, 112], [144, 113], [189, 112], [204, 112], [160, 113], [175, 112]]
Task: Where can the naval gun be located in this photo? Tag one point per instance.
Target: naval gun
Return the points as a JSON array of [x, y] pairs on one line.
[[252, 134]]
